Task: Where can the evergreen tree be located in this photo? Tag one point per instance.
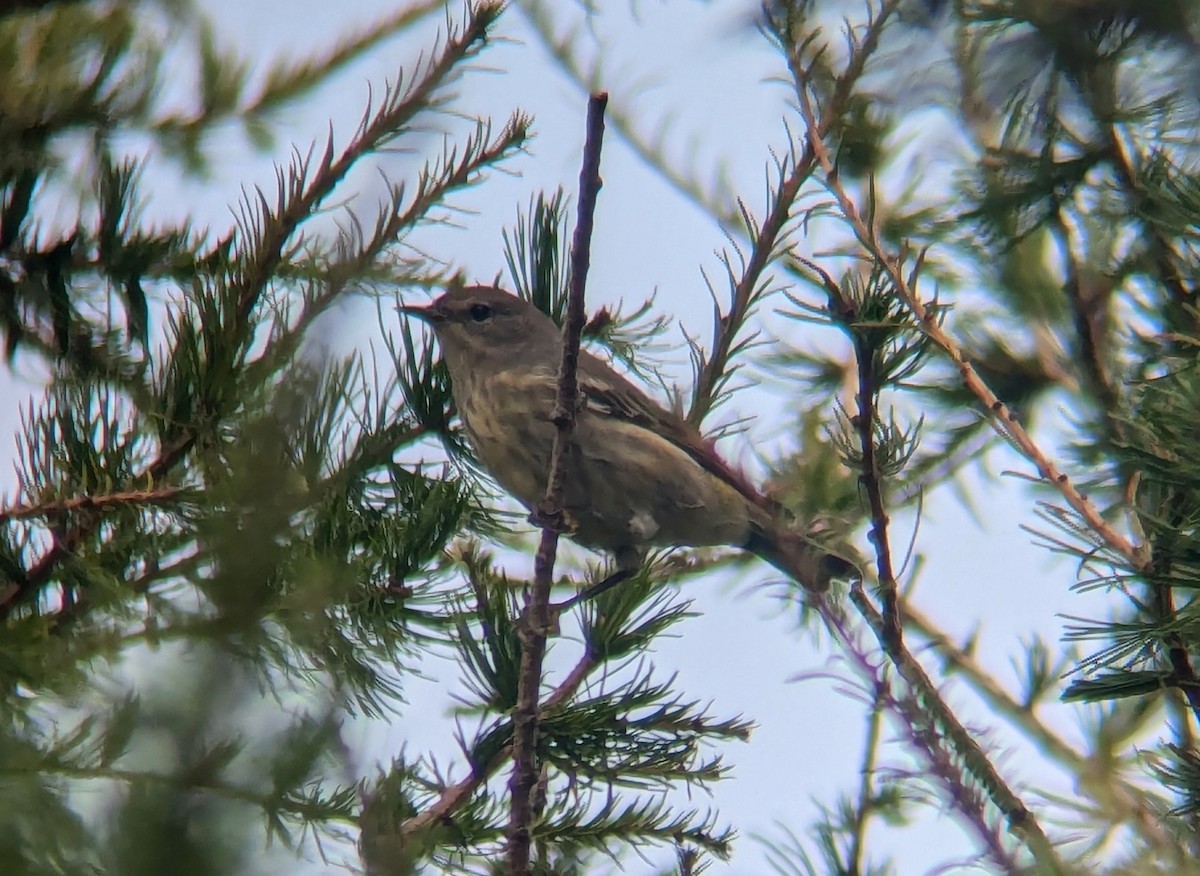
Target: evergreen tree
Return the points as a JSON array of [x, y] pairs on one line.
[[226, 542]]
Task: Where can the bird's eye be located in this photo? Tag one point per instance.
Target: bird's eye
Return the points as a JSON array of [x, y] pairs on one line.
[[480, 312]]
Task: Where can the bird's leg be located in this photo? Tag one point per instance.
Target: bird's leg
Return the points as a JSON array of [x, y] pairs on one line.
[[629, 561], [594, 590]]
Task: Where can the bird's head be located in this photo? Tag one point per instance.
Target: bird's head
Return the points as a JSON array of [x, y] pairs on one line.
[[482, 328]]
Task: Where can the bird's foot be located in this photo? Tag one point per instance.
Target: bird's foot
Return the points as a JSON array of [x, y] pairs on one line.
[[554, 519], [592, 591]]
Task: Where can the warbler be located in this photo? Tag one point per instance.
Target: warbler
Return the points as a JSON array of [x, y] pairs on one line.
[[637, 475]]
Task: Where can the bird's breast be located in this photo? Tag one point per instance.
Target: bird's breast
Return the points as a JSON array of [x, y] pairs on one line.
[[509, 428]]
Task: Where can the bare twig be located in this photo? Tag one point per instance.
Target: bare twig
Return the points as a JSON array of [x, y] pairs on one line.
[[870, 479], [535, 620]]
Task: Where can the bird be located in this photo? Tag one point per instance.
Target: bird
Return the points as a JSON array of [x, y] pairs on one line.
[[638, 476]]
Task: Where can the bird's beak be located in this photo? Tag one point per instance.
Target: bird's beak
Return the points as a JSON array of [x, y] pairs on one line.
[[427, 312]]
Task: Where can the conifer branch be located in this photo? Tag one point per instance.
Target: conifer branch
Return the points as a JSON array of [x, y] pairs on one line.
[[269, 800], [1020, 819], [455, 796], [1162, 600], [1129, 801], [1161, 250], [764, 236], [285, 81], [268, 233], [767, 235], [1090, 314], [1183, 672], [870, 476], [866, 800], [455, 170], [923, 711], [1003, 420], [535, 621], [137, 498], [925, 734], [299, 198]]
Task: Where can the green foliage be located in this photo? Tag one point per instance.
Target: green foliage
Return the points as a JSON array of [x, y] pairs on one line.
[[228, 543], [536, 254], [206, 501], [1062, 233]]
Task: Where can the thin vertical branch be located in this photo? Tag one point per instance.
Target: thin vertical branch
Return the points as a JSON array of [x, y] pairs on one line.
[[453, 797], [866, 803], [931, 709], [1003, 420], [535, 620], [869, 477], [765, 243]]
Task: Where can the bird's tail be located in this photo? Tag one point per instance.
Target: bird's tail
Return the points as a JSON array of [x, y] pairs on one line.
[[799, 556]]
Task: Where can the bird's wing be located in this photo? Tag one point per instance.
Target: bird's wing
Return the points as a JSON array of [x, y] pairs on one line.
[[605, 392]]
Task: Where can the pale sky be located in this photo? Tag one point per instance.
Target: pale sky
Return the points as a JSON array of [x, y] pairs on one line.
[[693, 68]]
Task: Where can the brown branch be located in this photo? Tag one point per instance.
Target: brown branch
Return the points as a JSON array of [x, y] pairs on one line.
[[1003, 420], [450, 799], [865, 352], [926, 733], [1183, 673], [297, 201], [1169, 272], [933, 711], [67, 542], [1126, 799], [158, 496], [965, 798], [1163, 599], [763, 248], [535, 622], [928, 710], [302, 200], [1091, 313], [1020, 820]]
